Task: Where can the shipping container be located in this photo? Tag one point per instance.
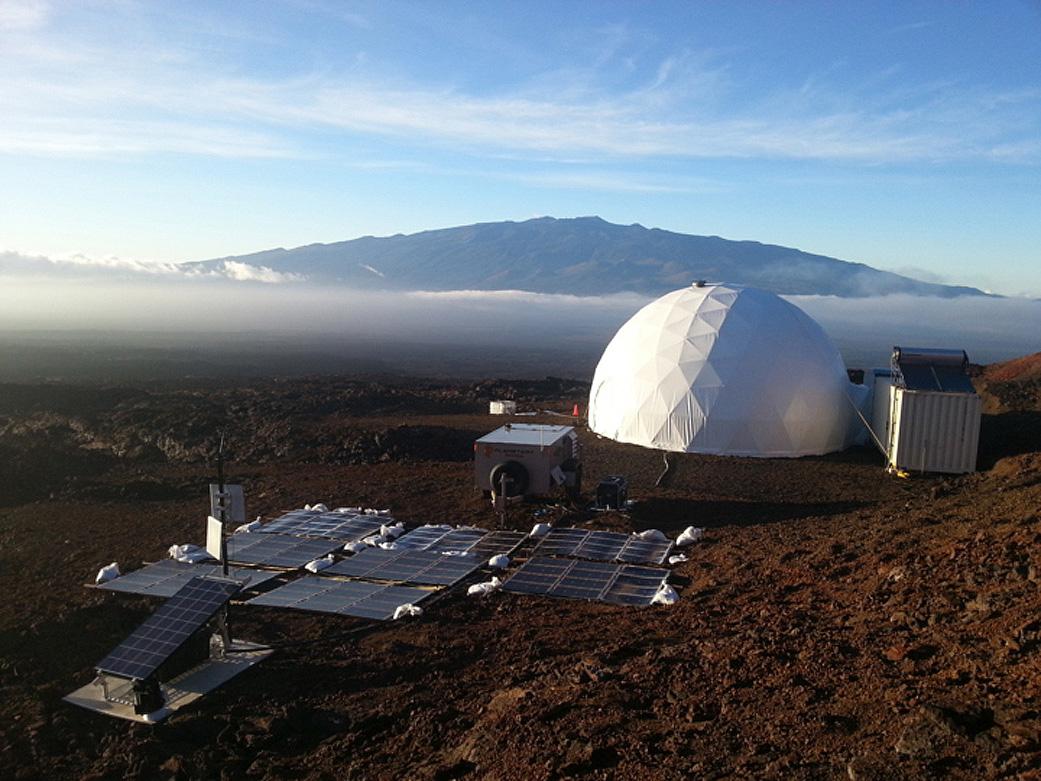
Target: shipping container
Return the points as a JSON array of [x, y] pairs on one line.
[[934, 412]]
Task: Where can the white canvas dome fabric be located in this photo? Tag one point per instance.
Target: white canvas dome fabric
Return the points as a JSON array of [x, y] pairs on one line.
[[725, 370]]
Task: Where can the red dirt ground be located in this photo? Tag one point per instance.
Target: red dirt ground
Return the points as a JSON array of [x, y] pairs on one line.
[[836, 622]]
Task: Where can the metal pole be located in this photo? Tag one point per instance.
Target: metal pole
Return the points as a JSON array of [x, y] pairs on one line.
[[221, 507]]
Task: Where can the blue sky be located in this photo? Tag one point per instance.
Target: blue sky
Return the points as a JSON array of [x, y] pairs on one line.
[[902, 135]]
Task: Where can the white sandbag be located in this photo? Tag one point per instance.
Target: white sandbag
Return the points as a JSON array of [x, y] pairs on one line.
[[407, 610], [354, 547], [373, 540], [107, 573], [690, 535], [666, 595], [501, 561], [189, 554], [392, 532], [652, 535], [679, 558], [348, 510], [370, 511], [540, 530], [484, 589], [319, 564], [389, 545], [246, 528], [320, 507]]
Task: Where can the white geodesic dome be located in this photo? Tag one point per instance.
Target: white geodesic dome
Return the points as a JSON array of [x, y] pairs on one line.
[[727, 370]]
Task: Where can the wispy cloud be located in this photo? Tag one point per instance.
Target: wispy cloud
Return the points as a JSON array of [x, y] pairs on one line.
[[66, 96], [23, 14]]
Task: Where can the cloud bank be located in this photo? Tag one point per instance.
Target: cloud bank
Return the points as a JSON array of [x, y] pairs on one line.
[[512, 322], [16, 264]]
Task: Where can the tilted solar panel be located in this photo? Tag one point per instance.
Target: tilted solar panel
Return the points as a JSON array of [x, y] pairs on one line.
[[342, 597], [168, 628], [592, 580], [165, 578], [406, 566]]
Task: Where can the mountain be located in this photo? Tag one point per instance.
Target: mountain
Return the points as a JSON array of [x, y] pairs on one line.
[[583, 256]]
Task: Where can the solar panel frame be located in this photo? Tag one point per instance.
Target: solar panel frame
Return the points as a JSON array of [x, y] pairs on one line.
[[277, 550], [160, 636], [166, 577], [422, 567], [623, 584], [342, 597]]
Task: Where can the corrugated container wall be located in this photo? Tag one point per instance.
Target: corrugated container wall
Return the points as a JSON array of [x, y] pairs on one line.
[[934, 432]]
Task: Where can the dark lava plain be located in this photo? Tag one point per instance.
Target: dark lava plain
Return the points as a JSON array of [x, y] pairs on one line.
[[835, 623]]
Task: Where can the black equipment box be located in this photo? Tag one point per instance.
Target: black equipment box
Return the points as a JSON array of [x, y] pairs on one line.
[[612, 492]]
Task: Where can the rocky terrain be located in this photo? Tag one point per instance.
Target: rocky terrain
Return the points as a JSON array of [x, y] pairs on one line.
[[836, 623]]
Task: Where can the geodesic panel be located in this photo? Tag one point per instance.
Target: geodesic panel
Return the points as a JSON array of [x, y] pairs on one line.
[[726, 370]]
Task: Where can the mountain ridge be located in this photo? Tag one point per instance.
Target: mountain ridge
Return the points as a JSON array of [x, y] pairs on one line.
[[580, 255]]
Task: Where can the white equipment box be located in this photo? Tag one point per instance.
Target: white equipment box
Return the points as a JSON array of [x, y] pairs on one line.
[[532, 458]]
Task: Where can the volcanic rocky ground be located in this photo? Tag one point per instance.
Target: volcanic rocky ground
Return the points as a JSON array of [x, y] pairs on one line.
[[836, 622]]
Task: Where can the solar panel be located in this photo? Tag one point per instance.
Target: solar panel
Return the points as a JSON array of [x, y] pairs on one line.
[[497, 542], [482, 543], [168, 628], [602, 546], [622, 584], [440, 537], [277, 550], [165, 578], [342, 597], [346, 527], [406, 566]]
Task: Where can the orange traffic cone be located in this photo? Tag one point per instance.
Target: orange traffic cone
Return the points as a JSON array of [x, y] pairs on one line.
[[574, 412]]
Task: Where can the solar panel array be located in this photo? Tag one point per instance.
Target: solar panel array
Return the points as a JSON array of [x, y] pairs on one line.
[[621, 584], [480, 542], [346, 527], [342, 597], [406, 566], [277, 550], [168, 628], [602, 546], [165, 578]]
